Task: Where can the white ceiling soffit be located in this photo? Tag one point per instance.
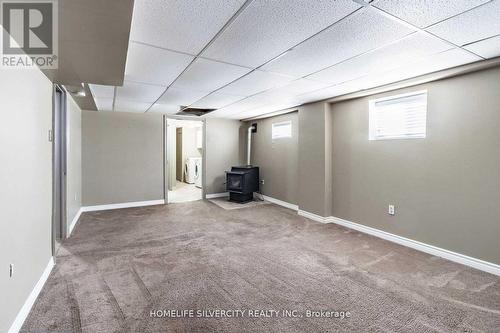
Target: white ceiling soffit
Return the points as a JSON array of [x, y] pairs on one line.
[[397, 54], [181, 25], [265, 29], [153, 65], [99, 91], [487, 48], [104, 104], [423, 13], [207, 75], [359, 33], [479, 23]]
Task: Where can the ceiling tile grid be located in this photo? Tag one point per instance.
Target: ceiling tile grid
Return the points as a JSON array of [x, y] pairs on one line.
[[138, 92], [479, 23], [154, 65], [487, 48], [256, 82], [131, 106], [359, 33], [265, 29], [397, 54], [181, 97], [180, 25], [208, 75], [216, 100], [164, 108], [423, 13]]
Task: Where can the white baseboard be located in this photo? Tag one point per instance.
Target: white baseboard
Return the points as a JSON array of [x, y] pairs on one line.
[[434, 250], [314, 217], [28, 304], [280, 202], [73, 222], [217, 195], [123, 205]]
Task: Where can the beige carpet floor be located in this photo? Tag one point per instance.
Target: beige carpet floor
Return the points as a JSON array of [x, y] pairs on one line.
[[120, 265]]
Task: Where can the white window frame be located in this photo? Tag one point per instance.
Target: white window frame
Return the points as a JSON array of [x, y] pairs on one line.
[[275, 136], [372, 135]]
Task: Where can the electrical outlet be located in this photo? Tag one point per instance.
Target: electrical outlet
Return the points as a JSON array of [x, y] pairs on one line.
[[262, 181], [391, 210], [11, 270]]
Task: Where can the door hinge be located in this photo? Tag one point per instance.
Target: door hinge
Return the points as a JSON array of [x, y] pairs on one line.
[[50, 135]]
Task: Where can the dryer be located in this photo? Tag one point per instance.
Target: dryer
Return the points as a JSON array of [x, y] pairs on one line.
[[190, 170], [197, 172]]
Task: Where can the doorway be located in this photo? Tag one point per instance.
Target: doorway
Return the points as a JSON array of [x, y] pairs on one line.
[[184, 160], [59, 151]]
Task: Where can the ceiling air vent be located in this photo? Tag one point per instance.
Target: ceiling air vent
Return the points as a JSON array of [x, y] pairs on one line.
[[194, 112]]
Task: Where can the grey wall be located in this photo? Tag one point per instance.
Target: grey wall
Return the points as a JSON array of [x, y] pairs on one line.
[[222, 152], [314, 177], [277, 159], [26, 190], [122, 157], [446, 187], [74, 161]]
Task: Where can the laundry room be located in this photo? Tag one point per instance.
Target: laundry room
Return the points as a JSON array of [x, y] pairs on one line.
[[184, 160]]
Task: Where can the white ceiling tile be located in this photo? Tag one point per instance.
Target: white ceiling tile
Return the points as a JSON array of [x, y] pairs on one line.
[[153, 65], [433, 63], [184, 97], [216, 100], [123, 105], [256, 82], [99, 91], [265, 28], [302, 86], [397, 54], [328, 92], [164, 108], [104, 104], [361, 32], [423, 13], [207, 75], [180, 25], [138, 92], [479, 23], [488, 48]]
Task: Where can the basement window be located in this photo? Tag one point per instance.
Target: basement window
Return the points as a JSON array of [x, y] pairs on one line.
[[398, 117], [282, 130]]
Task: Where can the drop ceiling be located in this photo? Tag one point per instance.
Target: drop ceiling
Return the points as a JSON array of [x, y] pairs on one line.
[[248, 58]]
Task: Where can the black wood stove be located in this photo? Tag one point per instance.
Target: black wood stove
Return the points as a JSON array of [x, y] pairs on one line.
[[241, 182]]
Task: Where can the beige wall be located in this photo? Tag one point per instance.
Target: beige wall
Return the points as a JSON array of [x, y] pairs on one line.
[[122, 157], [277, 159], [222, 152], [26, 185], [74, 161], [446, 187]]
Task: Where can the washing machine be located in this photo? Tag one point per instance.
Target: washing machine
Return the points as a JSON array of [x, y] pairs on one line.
[[190, 170], [198, 173]]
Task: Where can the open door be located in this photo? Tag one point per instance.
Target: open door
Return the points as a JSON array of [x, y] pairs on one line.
[[59, 167]]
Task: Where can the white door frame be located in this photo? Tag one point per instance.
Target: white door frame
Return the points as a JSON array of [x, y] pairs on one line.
[[166, 169]]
